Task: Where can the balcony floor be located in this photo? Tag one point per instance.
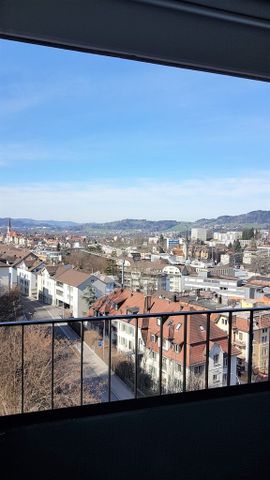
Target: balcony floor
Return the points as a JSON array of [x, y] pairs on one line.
[[219, 434]]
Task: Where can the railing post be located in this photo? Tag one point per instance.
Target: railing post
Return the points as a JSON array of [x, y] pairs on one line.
[[185, 353], [207, 350], [82, 341], [229, 351], [250, 345], [136, 359], [110, 361], [162, 321], [22, 361], [268, 378], [52, 374]]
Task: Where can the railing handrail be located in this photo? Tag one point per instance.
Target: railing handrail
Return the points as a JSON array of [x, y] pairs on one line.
[[131, 316]]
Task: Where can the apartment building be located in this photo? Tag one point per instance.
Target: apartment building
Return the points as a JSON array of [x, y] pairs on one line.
[[46, 282], [261, 339], [227, 287], [174, 277], [240, 339], [227, 237], [27, 270], [71, 291], [202, 234], [123, 302]]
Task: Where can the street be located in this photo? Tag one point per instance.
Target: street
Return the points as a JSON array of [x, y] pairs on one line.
[[94, 368]]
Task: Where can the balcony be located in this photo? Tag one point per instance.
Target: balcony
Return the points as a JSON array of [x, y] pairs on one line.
[[97, 340]]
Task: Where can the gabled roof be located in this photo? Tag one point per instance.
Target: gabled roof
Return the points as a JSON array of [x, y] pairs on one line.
[[72, 277], [31, 260], [173, 328]]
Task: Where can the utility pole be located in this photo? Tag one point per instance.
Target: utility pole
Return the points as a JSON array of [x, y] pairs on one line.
[[122, 275]]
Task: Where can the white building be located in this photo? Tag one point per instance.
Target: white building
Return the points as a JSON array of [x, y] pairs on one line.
[[71, 290], [46, 282], [227, 237], [202, 234], [174, 278], [27, 270]]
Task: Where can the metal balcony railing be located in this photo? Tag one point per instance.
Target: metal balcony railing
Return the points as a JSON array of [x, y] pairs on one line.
[[108, 323]]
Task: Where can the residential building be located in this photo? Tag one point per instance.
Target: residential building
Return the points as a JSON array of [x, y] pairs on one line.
[[27, 270], [71, 291], [122, 302], [46, 283], [228, 237], [202, 234]]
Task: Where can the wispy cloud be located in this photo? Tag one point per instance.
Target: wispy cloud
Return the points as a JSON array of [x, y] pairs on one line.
[[106, 200]]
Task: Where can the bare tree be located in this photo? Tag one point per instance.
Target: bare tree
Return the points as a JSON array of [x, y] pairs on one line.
[[37, 372], [10, 305], [86, 261]]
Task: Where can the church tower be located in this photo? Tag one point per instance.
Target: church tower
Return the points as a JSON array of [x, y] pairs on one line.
[[9, 227]]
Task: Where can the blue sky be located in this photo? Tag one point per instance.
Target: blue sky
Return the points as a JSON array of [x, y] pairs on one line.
[[92, 138]]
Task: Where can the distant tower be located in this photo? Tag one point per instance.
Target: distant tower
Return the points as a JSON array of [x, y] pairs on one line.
[[186, 245], [9, 226]]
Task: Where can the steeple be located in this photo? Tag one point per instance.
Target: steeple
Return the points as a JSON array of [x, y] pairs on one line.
[[9, 226]]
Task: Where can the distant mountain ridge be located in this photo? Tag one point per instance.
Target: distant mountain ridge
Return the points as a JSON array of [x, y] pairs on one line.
[[257, 218]]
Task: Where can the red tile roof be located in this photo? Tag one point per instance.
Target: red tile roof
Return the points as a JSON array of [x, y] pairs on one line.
[[173, 328]]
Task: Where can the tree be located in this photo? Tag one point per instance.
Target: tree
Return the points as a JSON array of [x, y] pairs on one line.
[[237, 246], [10, 306], [124, 367], [38, 371], [89, 295], [195, 381], [111, 268], [248, 233]]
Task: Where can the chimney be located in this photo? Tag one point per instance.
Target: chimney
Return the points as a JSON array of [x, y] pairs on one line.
[[147, 303]]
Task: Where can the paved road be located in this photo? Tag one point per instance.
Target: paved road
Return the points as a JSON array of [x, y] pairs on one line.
[[95, 369]]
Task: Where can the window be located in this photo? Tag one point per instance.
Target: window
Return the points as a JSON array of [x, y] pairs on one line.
[[152, 338], [165, 345], [216, 359], [264, 330], [158, 321], [264, 338], [123, 341], [177, 348], [164, 363], [177, 383], [224, 378], [215, 378], [240, 336], [198, 369], [225, 361], [178, 367]]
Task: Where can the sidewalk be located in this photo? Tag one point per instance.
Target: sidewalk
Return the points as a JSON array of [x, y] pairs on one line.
[[95, 367]]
